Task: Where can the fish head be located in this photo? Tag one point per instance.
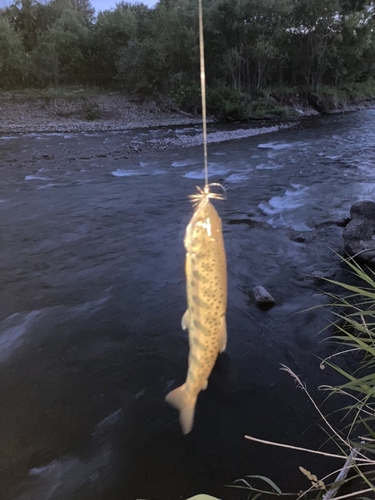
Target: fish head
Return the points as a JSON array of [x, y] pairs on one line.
[[204, 226]]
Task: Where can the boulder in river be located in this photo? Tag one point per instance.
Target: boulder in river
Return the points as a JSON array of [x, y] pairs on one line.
[[363, 210], [262, 297], [359, 234]]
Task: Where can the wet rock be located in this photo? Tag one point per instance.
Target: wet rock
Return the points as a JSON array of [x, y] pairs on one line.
[[243, 220], [363, 210], [343, 222], [298, 238], [263, 298], [359, 229], [359, 239]]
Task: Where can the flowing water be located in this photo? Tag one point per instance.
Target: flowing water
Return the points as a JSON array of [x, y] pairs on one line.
[[93, 291]]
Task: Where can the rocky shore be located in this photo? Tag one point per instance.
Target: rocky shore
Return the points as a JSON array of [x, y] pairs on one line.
[[99, 113], [115, 112], [28, 112]]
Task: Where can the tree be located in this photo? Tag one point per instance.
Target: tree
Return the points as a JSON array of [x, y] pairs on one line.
[[112, 32], [13, 60], [60, 54]]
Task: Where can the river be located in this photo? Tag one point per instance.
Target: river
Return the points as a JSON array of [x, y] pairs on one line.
[[93, 291]]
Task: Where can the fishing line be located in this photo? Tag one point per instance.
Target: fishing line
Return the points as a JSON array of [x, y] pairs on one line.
[[203, 95]]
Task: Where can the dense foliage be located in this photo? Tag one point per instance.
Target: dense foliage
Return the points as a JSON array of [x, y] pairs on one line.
[[253, 47]]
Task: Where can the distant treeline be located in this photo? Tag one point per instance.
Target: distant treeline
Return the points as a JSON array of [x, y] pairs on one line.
[[252, 46]]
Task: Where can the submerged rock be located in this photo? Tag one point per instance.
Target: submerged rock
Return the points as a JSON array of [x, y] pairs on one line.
[[262, 297], [318, 276], [359, 234], [298, 238]]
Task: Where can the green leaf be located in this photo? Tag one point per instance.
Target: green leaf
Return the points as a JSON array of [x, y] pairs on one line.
[[268, 481], [202, 497]]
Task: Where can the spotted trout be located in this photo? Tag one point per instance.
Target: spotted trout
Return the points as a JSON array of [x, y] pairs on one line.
[[206, 287]]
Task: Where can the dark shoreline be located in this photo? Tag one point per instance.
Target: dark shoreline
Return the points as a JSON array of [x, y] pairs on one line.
[[22, 112]]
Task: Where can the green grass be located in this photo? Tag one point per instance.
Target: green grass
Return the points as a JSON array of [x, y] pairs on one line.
[[263, 108], [354, 331], [69, 93]]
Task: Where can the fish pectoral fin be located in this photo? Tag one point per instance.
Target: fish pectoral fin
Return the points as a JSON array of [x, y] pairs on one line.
[[204, 385], [185, 320], [223, 335]]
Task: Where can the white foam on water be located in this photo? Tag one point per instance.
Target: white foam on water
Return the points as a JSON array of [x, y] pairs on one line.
[[277, 146], [195, 174], [90, 307], [51, 185], [218, 153], [13, 329], [8, 137], [183, 163], [299, 226], [239, 177], [159, 172], [117, 132], [268, 166], [36, 178], [289, 201], [276, 222], [333, 157], [184, 130], [52, 134], [61, 478], [273, 154], [127, 173], [215, 137], [199, 174], [296, 186], [113, 418]]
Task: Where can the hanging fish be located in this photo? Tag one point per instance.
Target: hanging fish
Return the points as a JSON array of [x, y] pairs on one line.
[[206, 286]]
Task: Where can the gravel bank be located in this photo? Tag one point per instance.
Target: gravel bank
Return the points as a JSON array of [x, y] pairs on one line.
[[102, 113], [22, 113], [111, 113]]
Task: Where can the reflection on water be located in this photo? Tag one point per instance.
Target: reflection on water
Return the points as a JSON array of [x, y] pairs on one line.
[[92, 267]]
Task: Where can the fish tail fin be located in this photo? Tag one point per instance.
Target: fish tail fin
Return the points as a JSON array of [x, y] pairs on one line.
[[180, 399]]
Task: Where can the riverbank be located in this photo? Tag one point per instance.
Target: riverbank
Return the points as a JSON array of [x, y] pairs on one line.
[[91, 110]]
